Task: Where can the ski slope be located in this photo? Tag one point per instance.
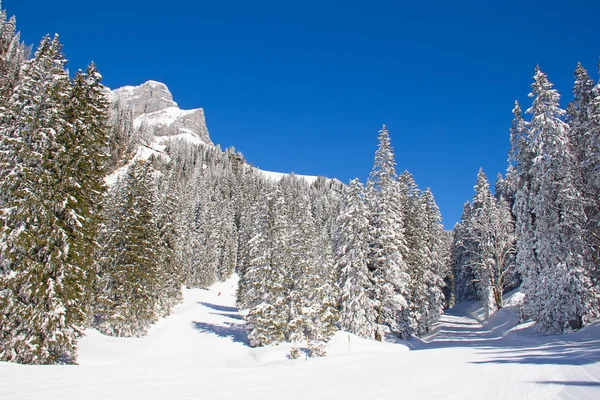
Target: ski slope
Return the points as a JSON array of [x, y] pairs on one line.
[[201, 352]]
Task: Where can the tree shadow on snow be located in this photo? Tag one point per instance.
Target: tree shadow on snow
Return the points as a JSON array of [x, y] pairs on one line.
[[232, 316], [570, 383], [218, 307], [501, 345], [554, 351], [235, 332]]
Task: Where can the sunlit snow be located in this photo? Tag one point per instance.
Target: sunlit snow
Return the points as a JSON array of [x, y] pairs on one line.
[[202, 352]]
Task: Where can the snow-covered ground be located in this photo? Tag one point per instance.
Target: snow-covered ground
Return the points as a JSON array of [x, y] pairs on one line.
[[277, 176], [201, 352]]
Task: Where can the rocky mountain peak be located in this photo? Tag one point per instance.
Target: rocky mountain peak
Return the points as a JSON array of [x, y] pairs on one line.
[[153, 108]]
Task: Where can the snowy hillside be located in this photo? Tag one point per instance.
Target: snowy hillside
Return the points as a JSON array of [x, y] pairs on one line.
[[276, 176], [201, 352]]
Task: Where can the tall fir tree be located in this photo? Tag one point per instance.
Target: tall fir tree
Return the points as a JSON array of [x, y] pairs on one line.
[[170, 272], [129, 272], [388, 242], [42, 299], [550, 221], [583, 116], [268, 315], [357, 314]]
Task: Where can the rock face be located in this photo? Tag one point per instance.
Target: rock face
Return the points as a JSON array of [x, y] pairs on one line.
[[155, 112]]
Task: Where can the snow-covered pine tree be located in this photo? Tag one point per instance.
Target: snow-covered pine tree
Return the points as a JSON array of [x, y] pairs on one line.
[[42, 291], [81, 173], [170, 274], [325, 295], [583, 116], [357, 313], [266, 295], [207, 220], [424, 258], [436, 267], [579, 116], [122, 144], [129, 272], [550, 221], [388, 243], [253, 227], [462, 250], [13, 54], [309, 274], [492, 232], [416, 255]]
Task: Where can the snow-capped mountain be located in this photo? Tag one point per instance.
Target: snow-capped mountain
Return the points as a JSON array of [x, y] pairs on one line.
[[154, 110]]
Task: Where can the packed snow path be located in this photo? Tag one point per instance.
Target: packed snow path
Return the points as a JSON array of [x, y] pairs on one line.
[[201, 352]]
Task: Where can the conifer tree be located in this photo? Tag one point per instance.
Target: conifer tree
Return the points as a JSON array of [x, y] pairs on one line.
[[170, 274], [492, 232], [583, 116], [128, 277], [13, 54], [435, 265], [41, 299], [550, 221], [268, 316], [463, 248], [81, 172], [388, 242], [357, 313]]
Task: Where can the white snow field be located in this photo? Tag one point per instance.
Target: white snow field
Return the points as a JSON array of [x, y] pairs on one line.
[[201, 352]]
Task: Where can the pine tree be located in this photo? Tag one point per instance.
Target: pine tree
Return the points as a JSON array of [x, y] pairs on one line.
[[416, 256], [463, 248], [357, 313], [550, 221], [41, 299], [13, 55], [436, 263], [388, 242], [583, 116], [170, 274], [128, 277], [81, 176], [492, 231], [266, 297]]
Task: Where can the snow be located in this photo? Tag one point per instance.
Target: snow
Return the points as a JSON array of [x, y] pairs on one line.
[[187, 135], [163, 117], [128, 93], [201, 352], [277, 176], [144, 152], [156, 147]]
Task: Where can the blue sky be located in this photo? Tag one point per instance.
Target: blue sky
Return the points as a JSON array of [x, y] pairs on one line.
[[304, 86]]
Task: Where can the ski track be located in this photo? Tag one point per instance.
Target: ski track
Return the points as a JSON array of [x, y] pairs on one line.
[[201, 352]]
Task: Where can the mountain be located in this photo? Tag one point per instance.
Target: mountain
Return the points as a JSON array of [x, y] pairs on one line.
[[160, 119], [155, 112]]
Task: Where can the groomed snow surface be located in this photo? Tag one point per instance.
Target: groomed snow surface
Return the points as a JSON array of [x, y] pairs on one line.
[[202, 352]]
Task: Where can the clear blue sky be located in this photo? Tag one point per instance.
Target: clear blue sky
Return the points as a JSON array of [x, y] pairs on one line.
[[304, 86]]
